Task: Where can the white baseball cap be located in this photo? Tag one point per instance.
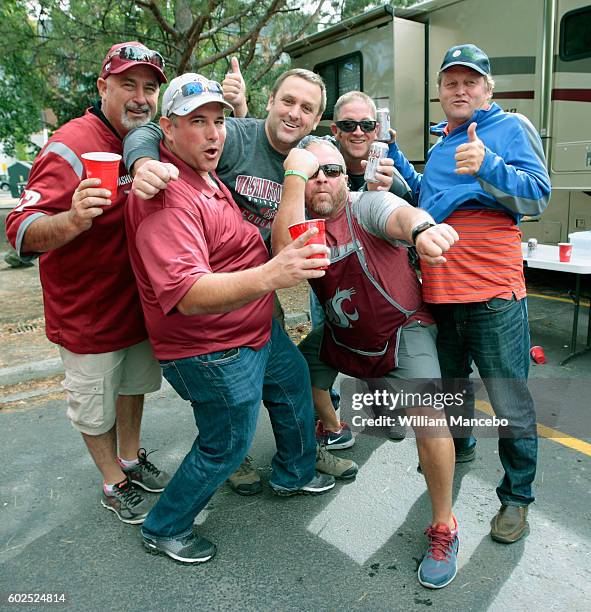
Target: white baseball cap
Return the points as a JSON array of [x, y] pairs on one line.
[[190, 91]]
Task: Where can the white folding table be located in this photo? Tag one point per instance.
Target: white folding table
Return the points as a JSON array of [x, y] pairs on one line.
[[545, 257]]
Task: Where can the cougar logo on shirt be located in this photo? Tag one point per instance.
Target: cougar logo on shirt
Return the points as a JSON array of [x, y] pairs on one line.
[[29, 198], [335, 308]]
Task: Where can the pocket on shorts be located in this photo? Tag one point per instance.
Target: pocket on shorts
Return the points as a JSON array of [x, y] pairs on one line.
[[85, 400]]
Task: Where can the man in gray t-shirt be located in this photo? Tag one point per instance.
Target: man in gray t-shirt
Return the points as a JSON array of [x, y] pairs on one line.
[[251, 165]]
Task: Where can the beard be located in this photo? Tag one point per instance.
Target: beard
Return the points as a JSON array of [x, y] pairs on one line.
[[328, 204], [321, 206], [130, 123]]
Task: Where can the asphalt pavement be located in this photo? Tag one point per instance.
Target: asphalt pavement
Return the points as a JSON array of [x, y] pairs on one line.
[[355, 548]]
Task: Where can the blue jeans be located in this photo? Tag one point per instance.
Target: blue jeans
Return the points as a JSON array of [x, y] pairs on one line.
[[225, 389], [495, 336]]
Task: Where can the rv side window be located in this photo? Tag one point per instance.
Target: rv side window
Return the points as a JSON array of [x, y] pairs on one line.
[[575, 34], [340, 75]]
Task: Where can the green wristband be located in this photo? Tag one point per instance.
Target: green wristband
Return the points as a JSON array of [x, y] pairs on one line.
[[296, 173]]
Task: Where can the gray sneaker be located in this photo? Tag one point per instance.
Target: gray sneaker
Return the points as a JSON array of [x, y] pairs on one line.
[[246, 480], [190, 549], [335, 466], [321, 483], [127, 502], [146, 475]]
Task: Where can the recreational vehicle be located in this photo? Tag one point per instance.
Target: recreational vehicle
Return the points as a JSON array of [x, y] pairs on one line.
[[540, 53]]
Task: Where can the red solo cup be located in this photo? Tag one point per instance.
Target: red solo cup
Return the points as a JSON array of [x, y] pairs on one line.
[[537, 354], [298, 229], [104, 166], [565, 250]]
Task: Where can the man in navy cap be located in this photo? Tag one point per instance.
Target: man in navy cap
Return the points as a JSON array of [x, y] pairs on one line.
[[484, 173], [92, 307]]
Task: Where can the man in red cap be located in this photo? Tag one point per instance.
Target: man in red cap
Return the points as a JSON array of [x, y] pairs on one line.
[[92, 308]]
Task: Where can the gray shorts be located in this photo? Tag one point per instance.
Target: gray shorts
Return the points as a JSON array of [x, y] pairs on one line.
[[94, 381], [417, 356]]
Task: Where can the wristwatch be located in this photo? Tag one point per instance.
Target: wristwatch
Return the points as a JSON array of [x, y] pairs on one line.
[[421, 227]]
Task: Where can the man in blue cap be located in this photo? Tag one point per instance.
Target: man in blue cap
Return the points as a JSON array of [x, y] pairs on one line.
[[484, 173]]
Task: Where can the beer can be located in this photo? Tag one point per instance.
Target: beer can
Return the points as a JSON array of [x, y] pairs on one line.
[[383, 118], [532, 245], [377, 151]]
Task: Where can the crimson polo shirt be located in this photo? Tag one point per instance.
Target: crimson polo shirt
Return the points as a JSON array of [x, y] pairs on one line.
[[191, 229], [90, 296]]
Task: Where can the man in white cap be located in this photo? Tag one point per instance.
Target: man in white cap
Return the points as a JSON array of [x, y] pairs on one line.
[[206, 284], [92, 308]]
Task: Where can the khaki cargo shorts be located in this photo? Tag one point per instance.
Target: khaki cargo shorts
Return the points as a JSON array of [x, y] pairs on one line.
[[94, 381]]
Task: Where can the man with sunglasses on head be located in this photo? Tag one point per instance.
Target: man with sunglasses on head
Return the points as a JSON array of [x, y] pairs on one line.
[[207, 284], [251, 167], [92, 307], [376, 325]]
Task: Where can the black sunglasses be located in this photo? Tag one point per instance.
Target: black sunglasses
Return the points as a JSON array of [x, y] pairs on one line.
[[139, 54], [348, 125], [330, 170]]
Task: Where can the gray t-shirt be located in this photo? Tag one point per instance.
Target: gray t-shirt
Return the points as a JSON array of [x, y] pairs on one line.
[[372, 209], [249, 166]]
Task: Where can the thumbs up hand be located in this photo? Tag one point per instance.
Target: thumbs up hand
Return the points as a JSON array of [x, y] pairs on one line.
[[469, 156], [235, 89]]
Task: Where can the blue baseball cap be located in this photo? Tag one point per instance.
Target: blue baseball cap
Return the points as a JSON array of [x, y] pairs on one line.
[[466, 55]]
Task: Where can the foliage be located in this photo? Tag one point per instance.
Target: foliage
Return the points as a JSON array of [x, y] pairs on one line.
[[50, 50]]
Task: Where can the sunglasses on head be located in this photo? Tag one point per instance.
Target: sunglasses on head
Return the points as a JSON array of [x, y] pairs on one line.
[[195, 88], [330, 170], [198, 87], [139, 54], [348, 125]]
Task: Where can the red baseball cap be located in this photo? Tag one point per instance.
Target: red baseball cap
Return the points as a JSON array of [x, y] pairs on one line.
[[123, 56]]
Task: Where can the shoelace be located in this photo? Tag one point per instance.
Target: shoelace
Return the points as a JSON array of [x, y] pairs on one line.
[[142, 455], [440, 543], [245, 466], [129, 493], [323, 455]]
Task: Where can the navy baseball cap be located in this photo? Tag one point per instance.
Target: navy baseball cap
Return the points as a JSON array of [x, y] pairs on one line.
[[466, 55]]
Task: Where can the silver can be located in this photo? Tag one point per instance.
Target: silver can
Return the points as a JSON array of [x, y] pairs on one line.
[[383, 118], [377, 151], [532, 245]]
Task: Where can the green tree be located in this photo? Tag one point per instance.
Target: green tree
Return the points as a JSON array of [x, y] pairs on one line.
[[23, 86], [50, 49]]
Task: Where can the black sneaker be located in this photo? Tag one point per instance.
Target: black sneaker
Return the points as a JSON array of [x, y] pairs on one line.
[[146, 475], [462, 456], [190, 549], [321, 483], [466, 455], [127, 502], [396, 432]]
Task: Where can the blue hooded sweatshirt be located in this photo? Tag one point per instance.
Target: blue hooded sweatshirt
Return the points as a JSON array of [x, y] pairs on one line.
[[512, 177]]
